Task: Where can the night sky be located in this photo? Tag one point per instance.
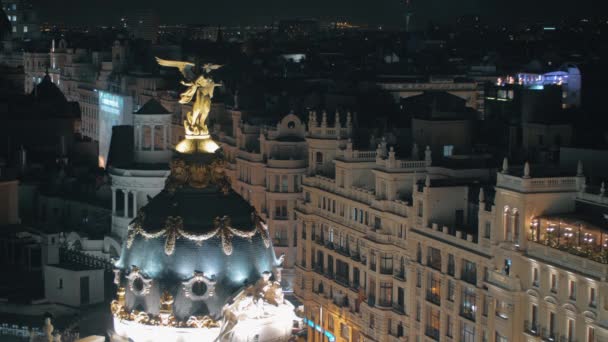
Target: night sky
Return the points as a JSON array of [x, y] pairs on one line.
[[388, 12]]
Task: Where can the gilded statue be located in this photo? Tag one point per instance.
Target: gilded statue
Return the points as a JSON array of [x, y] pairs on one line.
[[200, 88]]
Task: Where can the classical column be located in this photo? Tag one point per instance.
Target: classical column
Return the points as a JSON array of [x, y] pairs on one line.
[[134, 203], [114, 201], [153, 142], [126, 202], [140, 137]]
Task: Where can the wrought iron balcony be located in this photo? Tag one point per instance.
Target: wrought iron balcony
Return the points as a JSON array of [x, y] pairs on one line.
[[531, 328], [468, 314], [432, 333], [434, 298]]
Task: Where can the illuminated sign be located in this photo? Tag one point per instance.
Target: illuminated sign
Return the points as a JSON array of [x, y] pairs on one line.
[[329, 335], [114, 109]]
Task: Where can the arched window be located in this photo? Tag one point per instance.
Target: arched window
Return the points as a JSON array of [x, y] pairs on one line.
[[515, 222], [507, 223]]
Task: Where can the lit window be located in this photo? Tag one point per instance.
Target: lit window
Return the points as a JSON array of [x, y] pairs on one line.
[[25, 29], [448, 150]]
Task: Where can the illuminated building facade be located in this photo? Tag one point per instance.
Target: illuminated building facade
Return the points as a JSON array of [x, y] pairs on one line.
[[114, 109], [23, 18], [266, 164], [198, 261], [401, 250], [142, 174]]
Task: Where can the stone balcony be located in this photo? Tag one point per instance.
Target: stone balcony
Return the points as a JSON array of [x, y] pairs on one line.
[[547, 184], [504, 281], [578, 264], [286, 163], [250, 156]]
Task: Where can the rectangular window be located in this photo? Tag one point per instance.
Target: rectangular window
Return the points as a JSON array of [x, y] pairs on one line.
[[552, 324], [277, 183], [534, 319], [420, 209], [449, 331], [451, 290], [433, 292], [433, 258], [469, 272], [451, 265], [592, 299], [418, 278], [280, 209], [284, 183], [572, 290], [570, 330], [344, 331], [487, 230], [468, 307], [468, 332], [386, 294], [590, 334], [553, 282]]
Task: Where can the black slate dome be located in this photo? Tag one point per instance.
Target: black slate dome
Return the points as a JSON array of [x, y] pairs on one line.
[[46, 91], [196, 226]]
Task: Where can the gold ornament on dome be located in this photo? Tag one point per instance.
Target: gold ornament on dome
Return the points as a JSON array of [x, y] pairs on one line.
[[198, 175], [200, 92], [174, 229]]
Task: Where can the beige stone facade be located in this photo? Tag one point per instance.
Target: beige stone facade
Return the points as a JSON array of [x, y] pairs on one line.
[[398, 250]]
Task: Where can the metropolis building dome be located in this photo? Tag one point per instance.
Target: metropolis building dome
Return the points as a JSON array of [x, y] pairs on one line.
[[198, 262]]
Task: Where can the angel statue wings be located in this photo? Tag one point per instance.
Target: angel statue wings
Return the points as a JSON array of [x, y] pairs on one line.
[[200, 88]]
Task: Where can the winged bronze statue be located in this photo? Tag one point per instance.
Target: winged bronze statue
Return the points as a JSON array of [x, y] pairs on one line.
[[200, 87]]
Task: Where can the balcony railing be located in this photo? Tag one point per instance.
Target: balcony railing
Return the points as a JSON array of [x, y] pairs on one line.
[[548, 335], [371, 300], [399, 308], [531, 328], [432, 333], [343, 250], [468, 314], [342, 280], [385, 303], [469, 277], [386, 270], [318, 268], [399, 274], [434, 298]]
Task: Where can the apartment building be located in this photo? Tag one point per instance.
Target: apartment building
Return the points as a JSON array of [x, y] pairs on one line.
[[402, 250], [268, 159]]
